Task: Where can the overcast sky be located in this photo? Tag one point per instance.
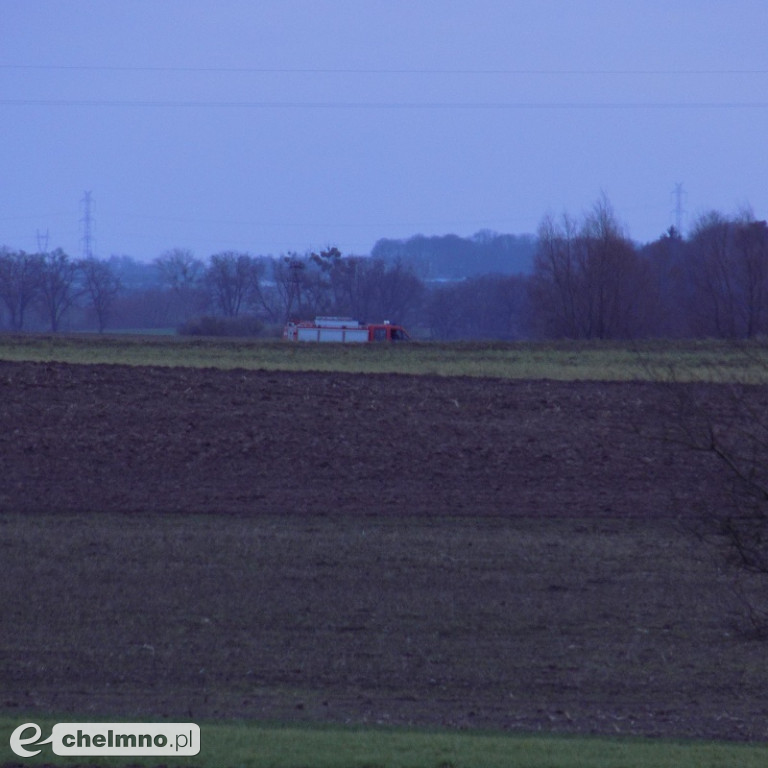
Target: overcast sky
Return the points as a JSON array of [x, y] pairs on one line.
[[271, 126]]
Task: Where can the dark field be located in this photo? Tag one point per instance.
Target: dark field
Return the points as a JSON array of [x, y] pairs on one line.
[[333, 547]]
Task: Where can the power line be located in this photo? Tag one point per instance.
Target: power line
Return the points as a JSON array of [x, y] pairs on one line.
[[393, 105], [385, 71]]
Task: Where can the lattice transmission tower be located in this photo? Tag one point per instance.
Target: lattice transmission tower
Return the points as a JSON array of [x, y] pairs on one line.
[[42, 241], [86, 223], [679, 210]]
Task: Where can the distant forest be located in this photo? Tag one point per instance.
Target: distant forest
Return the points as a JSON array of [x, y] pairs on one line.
[[576, 278], [450, 257]]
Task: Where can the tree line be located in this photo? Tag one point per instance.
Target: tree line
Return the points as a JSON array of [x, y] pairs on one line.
[[590, 281], [44, 288], [231, 292], [450, 257], [587, 280]]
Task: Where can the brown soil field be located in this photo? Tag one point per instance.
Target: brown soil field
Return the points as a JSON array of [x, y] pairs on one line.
[[180, 543]]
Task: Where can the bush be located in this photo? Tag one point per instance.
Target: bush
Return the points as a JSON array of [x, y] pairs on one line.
[[247, 325]]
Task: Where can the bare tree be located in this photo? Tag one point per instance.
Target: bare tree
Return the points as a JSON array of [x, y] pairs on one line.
[[316, 293], [588, 283], [232, 279], [668, 289], [58, 286], [556, 286], [183, 274], [486, 307], [728, 422], [387, 291], [750, 245], [727, 263], [713, 277], [19, 283], [445, 313], [346, 285], [616, 285], [303, 285], [283, 301], [338, 282], [101, 286]]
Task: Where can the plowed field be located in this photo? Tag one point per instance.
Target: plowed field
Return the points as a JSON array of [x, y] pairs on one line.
[[364, 548]]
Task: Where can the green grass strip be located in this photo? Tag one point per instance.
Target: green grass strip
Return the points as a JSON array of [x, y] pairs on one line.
[[249, 745], [604, 361]]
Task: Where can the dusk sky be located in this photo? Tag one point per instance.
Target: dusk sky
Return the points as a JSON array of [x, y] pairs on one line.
[[288, 125]]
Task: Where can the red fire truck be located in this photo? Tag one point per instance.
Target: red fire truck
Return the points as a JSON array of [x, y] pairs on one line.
[[344, 330]]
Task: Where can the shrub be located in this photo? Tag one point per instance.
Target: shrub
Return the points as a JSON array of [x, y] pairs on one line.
[[246, 325]]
